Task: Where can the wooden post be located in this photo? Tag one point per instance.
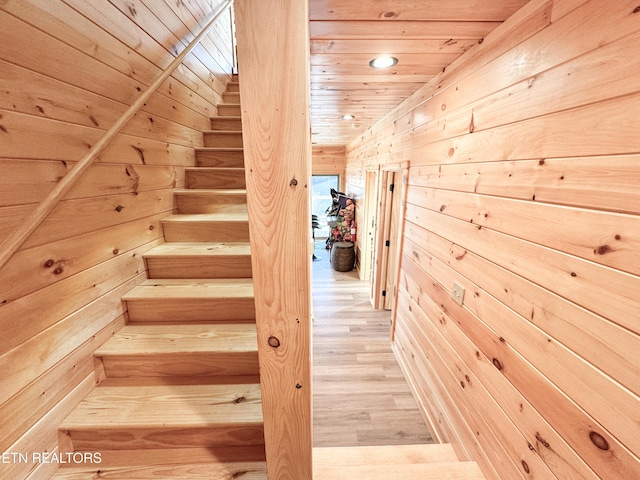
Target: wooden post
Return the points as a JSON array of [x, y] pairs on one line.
[[273, 59]]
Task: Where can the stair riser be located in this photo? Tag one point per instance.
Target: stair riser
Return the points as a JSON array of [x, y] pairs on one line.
[[231, 97], [216, 267], [229, 110], [190, 310], [126, 438], [209, 364], [206, 232], [223, 139], [232, 159], [189, 204], [226, 123], [215, 179], [233, 87]]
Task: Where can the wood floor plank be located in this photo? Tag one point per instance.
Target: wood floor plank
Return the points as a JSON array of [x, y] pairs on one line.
[[360, 394]]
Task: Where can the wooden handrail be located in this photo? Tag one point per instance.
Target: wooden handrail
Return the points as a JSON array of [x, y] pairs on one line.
[[13, 242]]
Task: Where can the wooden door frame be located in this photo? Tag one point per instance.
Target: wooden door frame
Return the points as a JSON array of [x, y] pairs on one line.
[[367, 229], [404, 170], [383, 225]]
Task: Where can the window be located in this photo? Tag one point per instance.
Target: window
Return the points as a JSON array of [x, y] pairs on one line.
[[321, 186]]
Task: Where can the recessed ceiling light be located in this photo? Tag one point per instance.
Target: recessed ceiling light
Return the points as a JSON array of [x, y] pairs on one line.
[[383, 62], [347, 117]]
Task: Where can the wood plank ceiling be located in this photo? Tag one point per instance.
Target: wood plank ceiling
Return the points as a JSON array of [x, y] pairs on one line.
[[424, 35]]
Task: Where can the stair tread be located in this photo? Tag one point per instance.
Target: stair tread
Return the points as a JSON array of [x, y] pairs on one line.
[[208, 217], [199, 249], [223, 132], [208, 191], [176, 468], [418, 471], [171, 406], [211, 192], [162, 339], [219, 149], [180, 380], [214, 169], [191, 289], [385, 454], [230, 117]]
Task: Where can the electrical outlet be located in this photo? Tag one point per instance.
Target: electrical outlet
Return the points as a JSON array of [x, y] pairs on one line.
[[457, 293]]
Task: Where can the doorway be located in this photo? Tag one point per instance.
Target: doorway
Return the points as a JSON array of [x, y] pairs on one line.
[[321, 186], [391, 195], [368, 229]]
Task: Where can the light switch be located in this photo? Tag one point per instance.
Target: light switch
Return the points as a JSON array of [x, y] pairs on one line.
[[457, 293]]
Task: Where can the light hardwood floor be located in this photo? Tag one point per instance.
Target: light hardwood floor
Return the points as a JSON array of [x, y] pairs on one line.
[[360, 395]]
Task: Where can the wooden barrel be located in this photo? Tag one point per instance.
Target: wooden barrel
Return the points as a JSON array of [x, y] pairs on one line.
[[343, 256]]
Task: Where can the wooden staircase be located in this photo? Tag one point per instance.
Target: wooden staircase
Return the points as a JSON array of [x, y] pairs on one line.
[[180, 392]]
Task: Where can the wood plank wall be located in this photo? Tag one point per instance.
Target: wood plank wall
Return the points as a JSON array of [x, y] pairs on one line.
[[524, 187], [68, 70], [328, 160]]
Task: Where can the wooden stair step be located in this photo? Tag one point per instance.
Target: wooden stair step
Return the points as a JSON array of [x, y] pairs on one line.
[[421, 471], [222, 138], [233, 87], [220, 157], [206, 200], [226, 123], [231, 97], [229, 109], [392, 462], [191, 300], [213, 177], [209, 227], [166, 471], [246, 463], [165, 416], [181, 350], [385, 454], [199, 260]]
